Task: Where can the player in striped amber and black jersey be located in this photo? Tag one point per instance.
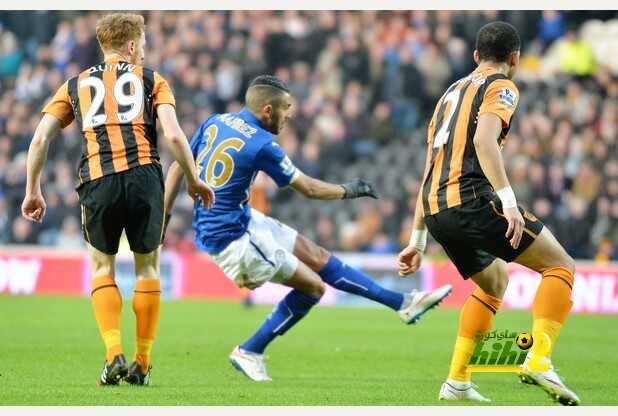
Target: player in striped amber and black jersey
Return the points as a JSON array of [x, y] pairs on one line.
[[116, 104], [468, 206]]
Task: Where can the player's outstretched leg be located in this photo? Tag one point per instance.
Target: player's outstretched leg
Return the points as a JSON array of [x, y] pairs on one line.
[[550, 309], [248, 358], [146, 306], [107, 305], [475, 320], [333, 271]]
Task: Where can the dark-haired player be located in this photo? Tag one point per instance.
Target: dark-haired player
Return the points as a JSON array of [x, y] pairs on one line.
[[252, 248], [468, 206]]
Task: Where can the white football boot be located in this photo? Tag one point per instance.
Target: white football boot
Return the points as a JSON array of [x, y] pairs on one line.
[[418, 302], [549, 381], [452, 390], [250, 364]]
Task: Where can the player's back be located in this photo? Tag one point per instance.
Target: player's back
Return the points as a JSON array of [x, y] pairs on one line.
[[455, 175], [114, 104], [229, 150]]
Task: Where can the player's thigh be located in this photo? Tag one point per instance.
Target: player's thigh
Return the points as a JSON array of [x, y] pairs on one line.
[[147, 264], [254, 259], [102, 264], [492, 226], [493, 280], [103, 212], [283, 234], [308, 252], [458, 243], [545, 252], [144, 190], [306, 281]]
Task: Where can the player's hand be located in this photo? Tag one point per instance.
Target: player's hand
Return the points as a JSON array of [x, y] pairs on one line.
[[516, 225], [409, 260], [33, 208], [358, 188], [199, 191]]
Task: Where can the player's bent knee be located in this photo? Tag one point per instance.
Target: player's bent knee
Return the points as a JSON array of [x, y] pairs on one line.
[[494, 279], [318, 289], [497, 286], [314, 256], [500, 285], [323, 256]]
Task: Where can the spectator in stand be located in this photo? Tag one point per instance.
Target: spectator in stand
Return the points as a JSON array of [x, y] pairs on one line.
[[551, 27], [364, 85]]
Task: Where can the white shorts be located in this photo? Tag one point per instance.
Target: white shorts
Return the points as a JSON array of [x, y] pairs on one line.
[[263, 254]]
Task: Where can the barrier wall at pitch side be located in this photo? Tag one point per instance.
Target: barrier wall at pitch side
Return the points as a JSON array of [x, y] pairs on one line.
[[31, 271]]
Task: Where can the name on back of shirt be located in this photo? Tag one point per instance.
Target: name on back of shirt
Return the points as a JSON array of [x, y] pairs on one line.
[[122, 66], [237, 124]]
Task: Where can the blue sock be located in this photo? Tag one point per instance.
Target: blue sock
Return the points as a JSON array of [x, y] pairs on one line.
[[285, 315], [343, 277]]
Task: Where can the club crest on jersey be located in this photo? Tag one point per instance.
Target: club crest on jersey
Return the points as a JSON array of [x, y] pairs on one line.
[[507, 97]]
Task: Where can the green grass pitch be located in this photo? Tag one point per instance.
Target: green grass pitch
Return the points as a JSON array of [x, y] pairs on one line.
[[50, 353]]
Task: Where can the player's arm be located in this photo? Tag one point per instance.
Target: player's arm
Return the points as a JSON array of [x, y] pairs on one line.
[[33, 207], [272, 160], [488, 152], [410, 258], [173, 180], [179, 146], [316, 189]]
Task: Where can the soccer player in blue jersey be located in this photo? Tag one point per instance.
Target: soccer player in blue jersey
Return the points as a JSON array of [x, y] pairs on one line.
[[252, 248]]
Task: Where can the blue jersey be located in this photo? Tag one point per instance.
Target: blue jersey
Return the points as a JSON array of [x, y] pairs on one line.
[[229, 150]]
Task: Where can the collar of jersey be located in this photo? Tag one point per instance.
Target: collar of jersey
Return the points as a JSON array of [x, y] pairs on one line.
[[250, 118]]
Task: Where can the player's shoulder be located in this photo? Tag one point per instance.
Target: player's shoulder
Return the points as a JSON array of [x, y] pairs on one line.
[[504, 90], [501, 81]]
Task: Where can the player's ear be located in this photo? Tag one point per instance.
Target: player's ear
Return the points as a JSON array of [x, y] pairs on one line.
[[476, 57], [268, 110], [514, 58], [131, 46]]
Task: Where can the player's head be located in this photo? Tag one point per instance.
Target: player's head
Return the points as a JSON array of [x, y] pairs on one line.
[[124, 34], [268, 98], [498, 42]]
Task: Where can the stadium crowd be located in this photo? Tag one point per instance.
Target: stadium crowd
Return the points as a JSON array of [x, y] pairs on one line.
[[364, 85]]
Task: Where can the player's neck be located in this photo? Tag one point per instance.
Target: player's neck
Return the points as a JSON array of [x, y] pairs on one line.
[[111, 56], [499, 67]]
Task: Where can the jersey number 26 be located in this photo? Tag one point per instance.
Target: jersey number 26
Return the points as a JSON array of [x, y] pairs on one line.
[[220, 156]]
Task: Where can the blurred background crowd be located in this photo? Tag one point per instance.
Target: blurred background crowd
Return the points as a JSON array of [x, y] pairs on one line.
[[364, 85]]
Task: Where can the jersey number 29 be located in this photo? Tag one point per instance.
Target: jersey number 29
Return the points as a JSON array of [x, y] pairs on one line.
[[134, 100]]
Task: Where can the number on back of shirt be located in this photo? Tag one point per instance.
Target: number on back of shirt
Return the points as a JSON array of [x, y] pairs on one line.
[[134, 99]]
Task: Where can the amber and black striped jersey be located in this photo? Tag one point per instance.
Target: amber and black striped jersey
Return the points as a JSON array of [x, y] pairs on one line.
[[455, 175], [114, 104]]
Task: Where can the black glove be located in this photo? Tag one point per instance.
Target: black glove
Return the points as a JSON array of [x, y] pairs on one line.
[[357, 189], [165, 223]]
